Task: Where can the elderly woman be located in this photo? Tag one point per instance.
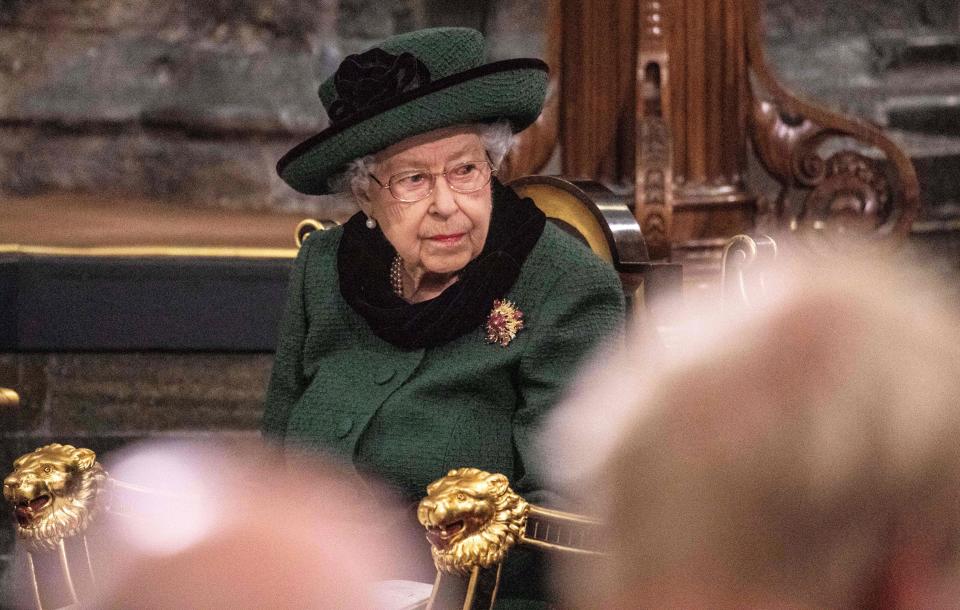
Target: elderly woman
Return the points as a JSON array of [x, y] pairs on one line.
[[438, 325]]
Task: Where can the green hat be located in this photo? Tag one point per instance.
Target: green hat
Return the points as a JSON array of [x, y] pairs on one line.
[[411, 84]]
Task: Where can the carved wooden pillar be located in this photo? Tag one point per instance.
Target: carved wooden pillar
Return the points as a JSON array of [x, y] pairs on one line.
[[663, 96], [692, 80], [653, 197], [598, 48], [591, 50], [676, 69]]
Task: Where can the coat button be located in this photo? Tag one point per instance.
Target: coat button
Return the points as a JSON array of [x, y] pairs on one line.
[[384, 375], [344, 425]]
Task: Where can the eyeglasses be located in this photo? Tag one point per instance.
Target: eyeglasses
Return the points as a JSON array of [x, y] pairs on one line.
[[412, 186]]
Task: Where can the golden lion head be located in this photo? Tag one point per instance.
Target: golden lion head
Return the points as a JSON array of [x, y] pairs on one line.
[[472, 519], [53, 491]]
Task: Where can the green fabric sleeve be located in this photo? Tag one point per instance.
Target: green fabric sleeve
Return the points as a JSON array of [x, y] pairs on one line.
[[590, 313], [287, 381]]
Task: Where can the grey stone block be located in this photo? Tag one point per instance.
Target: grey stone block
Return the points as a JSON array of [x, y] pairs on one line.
[[234, 173], [143, 392], [88, 80], [939, 177], [369, 19], [466, 13], [791, 18], [225, 22], [84, 14], [516, 28]]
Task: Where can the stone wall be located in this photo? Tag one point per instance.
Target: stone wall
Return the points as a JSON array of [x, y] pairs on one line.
[[827, 48], [789, 19], [191, 102], [150, 99]]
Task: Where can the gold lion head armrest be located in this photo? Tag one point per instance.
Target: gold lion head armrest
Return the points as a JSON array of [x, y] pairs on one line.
[[473, 519], [56, 492], [60, 494]]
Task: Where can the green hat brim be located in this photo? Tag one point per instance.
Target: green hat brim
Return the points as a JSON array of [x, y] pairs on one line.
[[513, 89]]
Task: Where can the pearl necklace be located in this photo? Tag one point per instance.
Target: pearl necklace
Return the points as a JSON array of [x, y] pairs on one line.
[[396, 276]]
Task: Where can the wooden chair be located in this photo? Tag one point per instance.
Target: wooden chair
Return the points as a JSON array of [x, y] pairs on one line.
[[469, 581], [604, 221], [671, 98]]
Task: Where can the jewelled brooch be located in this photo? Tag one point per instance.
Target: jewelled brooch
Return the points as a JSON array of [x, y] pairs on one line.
[[504, 322]]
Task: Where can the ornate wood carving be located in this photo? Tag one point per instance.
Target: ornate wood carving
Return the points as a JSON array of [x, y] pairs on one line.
[[863, 183], [709, 94], [654, 167], [665, 95], [741, 271]]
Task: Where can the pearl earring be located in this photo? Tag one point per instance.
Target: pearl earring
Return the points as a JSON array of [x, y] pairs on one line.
[[371, 223]]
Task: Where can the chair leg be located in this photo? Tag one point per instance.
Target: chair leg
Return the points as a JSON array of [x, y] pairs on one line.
[[477, 591]]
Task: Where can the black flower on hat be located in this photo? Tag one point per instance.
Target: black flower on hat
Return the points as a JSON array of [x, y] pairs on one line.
[[372, 77]]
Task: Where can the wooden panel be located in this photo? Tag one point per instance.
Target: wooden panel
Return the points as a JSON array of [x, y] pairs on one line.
[[597, 89]]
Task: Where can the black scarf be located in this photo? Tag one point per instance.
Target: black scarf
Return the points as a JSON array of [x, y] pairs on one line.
[[365, 255]]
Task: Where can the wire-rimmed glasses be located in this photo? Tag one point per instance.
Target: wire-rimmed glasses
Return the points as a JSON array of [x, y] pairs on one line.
[[413, 185]]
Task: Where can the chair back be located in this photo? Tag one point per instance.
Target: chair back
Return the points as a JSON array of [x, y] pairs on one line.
[[604, 221]]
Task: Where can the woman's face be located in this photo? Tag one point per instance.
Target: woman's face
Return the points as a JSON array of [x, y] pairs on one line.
[[441, 233]]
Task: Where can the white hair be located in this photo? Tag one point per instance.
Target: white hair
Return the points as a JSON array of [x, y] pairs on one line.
[[795, 452], [497, 139]]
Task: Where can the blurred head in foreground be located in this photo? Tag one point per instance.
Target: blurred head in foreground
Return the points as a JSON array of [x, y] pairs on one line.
[[804, 453], [241, 527]]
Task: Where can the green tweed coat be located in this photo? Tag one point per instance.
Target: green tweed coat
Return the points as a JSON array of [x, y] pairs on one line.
[[409, 416]]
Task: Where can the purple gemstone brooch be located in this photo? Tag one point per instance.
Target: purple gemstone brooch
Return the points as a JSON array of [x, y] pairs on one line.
[[504, 322]]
